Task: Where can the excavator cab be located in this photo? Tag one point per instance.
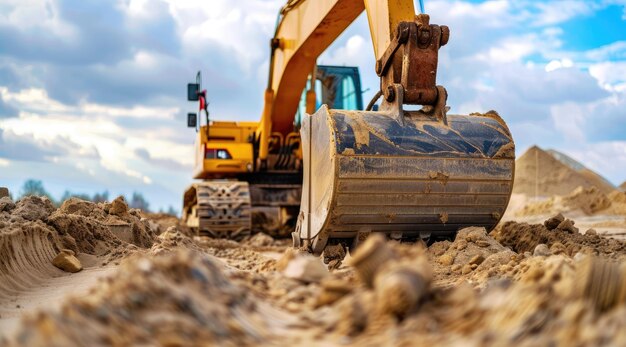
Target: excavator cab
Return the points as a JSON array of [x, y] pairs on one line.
[[338, 87]]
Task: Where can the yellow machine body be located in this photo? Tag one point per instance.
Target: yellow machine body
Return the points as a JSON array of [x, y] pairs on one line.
[[230, 137]]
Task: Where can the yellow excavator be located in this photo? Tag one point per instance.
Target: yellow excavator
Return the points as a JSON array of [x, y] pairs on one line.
[[321, 168]]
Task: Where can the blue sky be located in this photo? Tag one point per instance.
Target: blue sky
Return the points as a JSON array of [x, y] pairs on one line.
[[92, 93]]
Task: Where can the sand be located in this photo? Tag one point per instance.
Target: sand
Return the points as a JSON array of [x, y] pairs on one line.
[[588, 201], [166, 286]]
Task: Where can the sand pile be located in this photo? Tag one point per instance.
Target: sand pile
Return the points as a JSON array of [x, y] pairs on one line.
[[472, 253], [560, 235], [180, 298], [98, 228], [588, 200], [618, 202], [27, 245], [33, 232], [533, 288], [537, 173], [548, 304]]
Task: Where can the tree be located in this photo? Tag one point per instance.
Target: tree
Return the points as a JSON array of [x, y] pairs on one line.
[[172, 211], [34, 187], [101, 197], [138, 201]]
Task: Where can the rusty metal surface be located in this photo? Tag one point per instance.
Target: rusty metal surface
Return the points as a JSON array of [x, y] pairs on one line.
[[411, 61], [370, 173]]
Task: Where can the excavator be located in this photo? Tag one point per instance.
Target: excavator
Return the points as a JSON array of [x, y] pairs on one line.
[[329, 172]]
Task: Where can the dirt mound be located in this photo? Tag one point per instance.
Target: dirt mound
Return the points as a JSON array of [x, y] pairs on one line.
[[588, 200], [537, 173], [33, 232], [100, 228], [618, 202], [622, 186], [33, 208], [26, 253], [540, 305], [177, 299], [472, 253], [562, 238]]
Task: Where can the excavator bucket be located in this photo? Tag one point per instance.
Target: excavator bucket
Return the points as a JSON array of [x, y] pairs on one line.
[[406, 175]]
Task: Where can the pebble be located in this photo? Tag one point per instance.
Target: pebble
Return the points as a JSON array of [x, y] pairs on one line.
[[553, 222], [542, 250], [306, 269], [67, 262], [477, 260]]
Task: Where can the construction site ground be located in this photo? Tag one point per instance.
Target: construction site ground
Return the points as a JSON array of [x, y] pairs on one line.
[[148, 280]]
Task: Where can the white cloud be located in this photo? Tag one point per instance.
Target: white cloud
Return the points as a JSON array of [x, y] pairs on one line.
[[4, 162], [611, 75], [28, 14], [558, 64]]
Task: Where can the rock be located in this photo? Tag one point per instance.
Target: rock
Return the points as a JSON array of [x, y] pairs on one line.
[[567, 226], [482, 243], [552, 222], [467, 268], [118, 206], [80, 207], [477, 260], [455, 268], [370, 256], [67, 262], [261, 240], [332, 291], [306, 269], [591, 232], [399, 290], [288, 256], [6, 204], [154, 226], [542, 250], [4, 192], [446, 259], [579, 256], [558, 248], [34, 208]]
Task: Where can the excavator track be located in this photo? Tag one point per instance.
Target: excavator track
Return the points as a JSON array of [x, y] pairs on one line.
[[220, 209]]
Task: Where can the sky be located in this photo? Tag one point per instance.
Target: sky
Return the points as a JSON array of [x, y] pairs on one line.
[[93, 93]]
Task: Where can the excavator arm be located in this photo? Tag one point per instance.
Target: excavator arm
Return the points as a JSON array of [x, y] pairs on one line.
[[307, 27]]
